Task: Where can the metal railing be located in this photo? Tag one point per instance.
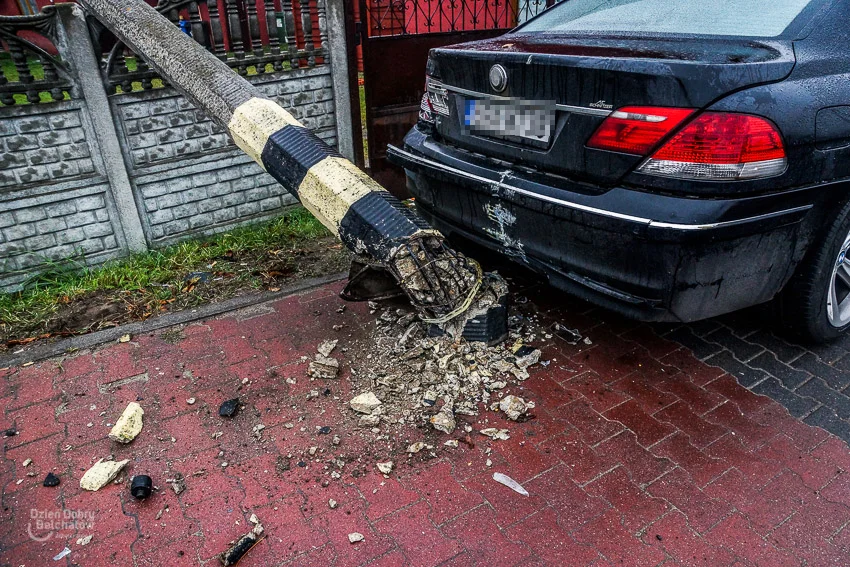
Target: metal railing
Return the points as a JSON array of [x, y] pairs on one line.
[[407, 17], [251, 36], [30, 70]]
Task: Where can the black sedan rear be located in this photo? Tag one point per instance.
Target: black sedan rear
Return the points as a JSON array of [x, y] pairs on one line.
[[670, 160]]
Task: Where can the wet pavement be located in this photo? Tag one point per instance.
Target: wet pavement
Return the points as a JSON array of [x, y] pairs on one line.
[[642, 450]]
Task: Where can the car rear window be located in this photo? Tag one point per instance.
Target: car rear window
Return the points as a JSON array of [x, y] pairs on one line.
[[748, 18]]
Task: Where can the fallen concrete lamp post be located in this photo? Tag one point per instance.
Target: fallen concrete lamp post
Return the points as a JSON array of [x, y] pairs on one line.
[[447, 288]]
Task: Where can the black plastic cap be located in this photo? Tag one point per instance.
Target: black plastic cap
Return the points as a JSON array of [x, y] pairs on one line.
[[141, 486]]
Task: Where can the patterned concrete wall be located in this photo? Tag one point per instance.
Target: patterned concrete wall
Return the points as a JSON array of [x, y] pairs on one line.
[[62, 182], [55, 202], [189, 177]]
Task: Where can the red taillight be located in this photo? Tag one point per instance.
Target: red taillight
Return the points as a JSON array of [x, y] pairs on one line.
[[721, 146], [637, 129]]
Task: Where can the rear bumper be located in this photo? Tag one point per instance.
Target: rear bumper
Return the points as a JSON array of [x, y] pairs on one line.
[[649, 256]]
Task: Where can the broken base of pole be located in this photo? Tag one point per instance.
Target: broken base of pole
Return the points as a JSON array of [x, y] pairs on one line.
[[485, 320]]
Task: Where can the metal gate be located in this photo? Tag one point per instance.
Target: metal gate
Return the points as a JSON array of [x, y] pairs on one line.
[[396, 36]]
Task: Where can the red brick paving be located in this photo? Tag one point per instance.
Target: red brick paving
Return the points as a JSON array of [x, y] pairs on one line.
[[638, 454]]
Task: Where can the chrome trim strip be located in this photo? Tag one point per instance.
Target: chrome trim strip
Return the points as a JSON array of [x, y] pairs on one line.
[[564, 107], [592, 210]]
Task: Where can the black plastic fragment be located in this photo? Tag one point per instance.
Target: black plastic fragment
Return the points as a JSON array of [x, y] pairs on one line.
[[325, 430], [141, 486], [229, 408], [51, 480], [571, 336], [11, 432], [490, 327], [369, 282], [239, 549], [524, 350]]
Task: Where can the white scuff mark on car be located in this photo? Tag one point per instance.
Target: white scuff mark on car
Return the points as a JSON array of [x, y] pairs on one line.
[[503, 219]]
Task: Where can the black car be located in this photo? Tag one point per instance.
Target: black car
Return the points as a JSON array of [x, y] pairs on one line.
[[672, 161]]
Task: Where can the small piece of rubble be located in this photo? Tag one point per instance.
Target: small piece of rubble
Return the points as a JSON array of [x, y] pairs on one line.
[[527, 356], [451, 443], [515, 407], [324, 367], [85, 540], [327, 347], [355, 537], [26, 463], [444, 420], [385, 468], [190, 401], [229, 408], [332, 504], [101, 474], [238, 550], [129, 425], [418, 446], [62, 554], [51, 480], [178, 484], [496, 433], [365, 403], [369, 420]]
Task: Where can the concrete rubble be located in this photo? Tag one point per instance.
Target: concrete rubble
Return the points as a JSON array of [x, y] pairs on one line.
[[128, 425], [404, 378], [101, 474], [323, 367], [366, 403], [515, 408]]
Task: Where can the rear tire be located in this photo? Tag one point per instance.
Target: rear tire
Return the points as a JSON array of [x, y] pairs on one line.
[[815, 304]]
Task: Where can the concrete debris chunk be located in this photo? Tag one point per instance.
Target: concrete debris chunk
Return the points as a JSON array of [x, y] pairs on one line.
[[385, 468], [178, 484], [129, 424], [101, 474], [510, 483], [444, 420], [418, 446], [527, 356], [369, 420], [327, 347], [85, 540], [515, 407], [324, 367], [355, 537], [496, 433], [365, 403], [451, 443], [332, 504]]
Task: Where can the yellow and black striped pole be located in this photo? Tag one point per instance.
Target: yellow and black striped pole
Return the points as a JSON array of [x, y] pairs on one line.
[[368, 219]]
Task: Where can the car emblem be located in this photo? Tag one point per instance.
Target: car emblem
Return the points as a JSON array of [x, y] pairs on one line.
[[498, 78]]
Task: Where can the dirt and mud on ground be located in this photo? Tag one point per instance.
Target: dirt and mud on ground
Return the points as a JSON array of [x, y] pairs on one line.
[[233, 274]]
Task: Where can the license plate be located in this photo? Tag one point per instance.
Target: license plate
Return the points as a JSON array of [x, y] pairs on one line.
[[527, 120]]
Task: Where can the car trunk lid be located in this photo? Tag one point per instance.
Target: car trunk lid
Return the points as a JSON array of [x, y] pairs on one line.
[[586, 78]]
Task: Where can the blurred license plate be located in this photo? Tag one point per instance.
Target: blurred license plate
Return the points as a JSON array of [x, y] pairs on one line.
[[528, 120]]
